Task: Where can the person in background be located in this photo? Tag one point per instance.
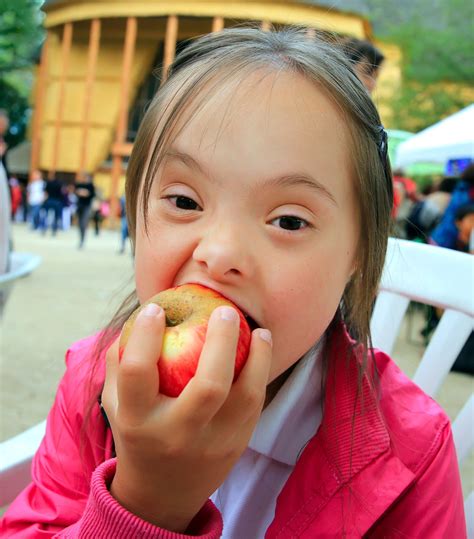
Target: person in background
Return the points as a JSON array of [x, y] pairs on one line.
[[54, 202], [464, 221], [446, 233], [123, 225], [405, 195], [35, 198], [16, 196], [85, 192], [96, 210], [4, 127], [428, 212], [366, 61], [5, 208], [25, 215]]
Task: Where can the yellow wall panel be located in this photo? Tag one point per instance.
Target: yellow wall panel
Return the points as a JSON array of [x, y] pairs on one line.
[[102, 181], [50, 103], [389, 81], [99, 140], [104, 100], [73, 101], [54, 54], [46, 148], [69, 147]]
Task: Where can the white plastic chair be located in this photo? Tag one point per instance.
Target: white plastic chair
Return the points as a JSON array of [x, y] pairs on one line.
[[442, 278], [21, 264], [16, 455]]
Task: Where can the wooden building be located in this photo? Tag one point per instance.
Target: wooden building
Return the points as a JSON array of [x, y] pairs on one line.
[[100, 66]]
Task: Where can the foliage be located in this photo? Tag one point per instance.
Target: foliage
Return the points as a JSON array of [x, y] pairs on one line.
[[419, 105], [20, 38], [18, 111], [437, 42], [20, 33]]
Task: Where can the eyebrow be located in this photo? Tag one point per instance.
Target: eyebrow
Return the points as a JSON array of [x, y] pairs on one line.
[[286, 180]]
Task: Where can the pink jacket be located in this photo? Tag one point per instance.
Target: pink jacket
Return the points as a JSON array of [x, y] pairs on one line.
[[380, 465]]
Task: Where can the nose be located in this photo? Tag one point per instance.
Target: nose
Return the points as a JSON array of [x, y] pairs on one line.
[[224, 252]]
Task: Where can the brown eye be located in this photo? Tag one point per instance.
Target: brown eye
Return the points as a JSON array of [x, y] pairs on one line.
[[184, 203], [289, 222]]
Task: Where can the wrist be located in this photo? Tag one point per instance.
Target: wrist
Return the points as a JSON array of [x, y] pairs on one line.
[[147, 504]]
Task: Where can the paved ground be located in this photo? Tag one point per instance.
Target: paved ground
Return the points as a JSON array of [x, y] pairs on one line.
[[73, 294]]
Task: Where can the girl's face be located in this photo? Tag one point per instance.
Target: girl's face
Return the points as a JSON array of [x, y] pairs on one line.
[[255, 200]]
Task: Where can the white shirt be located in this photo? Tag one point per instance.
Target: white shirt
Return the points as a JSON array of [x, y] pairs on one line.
[[247, 498], [35, 192]]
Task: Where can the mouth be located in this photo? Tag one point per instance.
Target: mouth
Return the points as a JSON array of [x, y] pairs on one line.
[[253, 324], [250, 321]]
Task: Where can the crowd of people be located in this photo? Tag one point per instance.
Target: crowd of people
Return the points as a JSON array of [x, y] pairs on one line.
[[441, 214], [52, 205]]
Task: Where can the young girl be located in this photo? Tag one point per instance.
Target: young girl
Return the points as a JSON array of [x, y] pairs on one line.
[[260, 171]]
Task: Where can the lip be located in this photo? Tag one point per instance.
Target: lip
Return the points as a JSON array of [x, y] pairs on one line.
[[253, 323]]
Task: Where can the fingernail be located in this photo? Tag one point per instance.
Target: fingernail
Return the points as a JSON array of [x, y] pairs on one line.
[[229, 314], [152, 309], [265, 335]]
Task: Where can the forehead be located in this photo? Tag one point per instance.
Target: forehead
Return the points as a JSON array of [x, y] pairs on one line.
[[273, 122]]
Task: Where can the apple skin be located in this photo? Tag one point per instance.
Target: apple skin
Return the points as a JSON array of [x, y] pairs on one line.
[[188, 309]]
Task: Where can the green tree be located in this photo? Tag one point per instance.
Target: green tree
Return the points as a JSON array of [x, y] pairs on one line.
[[21, 35], [437, 42]]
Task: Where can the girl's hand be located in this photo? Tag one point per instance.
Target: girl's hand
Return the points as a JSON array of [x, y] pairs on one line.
[[172, 454]]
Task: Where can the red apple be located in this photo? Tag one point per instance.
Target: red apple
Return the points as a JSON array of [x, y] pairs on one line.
[[187, 309]]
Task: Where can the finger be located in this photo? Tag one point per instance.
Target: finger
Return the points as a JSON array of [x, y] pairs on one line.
[[209, 388], [138, 381], [247, 395]]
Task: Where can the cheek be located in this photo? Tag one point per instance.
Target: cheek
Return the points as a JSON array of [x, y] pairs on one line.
[[146, 269], [302, 316], [151, 275]]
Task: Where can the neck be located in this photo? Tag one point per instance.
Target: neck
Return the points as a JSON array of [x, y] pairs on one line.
[[275, 386]]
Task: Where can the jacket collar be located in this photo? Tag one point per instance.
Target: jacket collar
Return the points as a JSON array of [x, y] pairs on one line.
[[348, 475], [295, 410]]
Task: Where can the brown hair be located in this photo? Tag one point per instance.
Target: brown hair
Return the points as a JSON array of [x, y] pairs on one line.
[[215, 61]]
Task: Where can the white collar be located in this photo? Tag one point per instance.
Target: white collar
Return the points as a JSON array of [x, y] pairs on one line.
[[294, 414]]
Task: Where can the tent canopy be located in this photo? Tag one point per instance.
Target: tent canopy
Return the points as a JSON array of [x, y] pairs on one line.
[[451, 138]]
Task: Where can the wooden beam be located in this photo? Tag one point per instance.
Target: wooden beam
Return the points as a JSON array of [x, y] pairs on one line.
[[65, 50], [284, 12], [217, 24], [80, 78], [123, 149], [77, 124], [94, 40], [38, 113], [170, 44], [121, 133]]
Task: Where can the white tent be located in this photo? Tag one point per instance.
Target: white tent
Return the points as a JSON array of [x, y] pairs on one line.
[[451, 138]]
